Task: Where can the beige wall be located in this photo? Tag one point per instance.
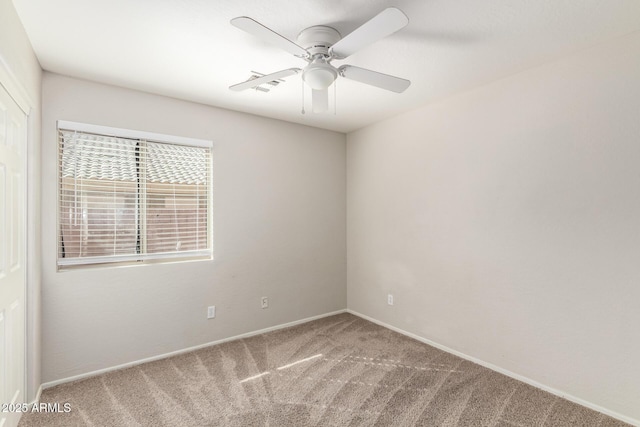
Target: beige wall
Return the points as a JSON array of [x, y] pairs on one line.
[[506, 223], [279, 231], [16, 51], [18, 63]]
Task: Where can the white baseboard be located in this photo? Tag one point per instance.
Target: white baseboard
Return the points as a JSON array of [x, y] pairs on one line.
[[503, 371], [50, 384], [36, 400]]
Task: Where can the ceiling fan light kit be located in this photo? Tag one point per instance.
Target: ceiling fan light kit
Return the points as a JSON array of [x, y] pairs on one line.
[[319, 75], [319, 45]]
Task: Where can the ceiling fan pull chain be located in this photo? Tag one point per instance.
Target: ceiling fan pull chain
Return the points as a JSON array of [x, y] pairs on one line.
[[302, 81], [335, 99]]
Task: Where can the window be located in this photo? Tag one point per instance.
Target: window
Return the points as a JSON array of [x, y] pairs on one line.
[[129, 196]]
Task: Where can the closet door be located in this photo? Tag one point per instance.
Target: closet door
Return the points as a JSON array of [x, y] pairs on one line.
[[13, 147]]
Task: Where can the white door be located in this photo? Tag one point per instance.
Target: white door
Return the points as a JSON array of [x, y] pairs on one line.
[[13, 140]]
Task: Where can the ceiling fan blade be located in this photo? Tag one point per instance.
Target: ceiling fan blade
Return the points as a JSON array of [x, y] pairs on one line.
[[320, 100], [258, 30], [383, 24], [264, 79], [373, 78]]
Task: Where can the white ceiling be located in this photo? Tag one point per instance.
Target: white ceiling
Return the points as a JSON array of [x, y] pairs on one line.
[[187, 49]]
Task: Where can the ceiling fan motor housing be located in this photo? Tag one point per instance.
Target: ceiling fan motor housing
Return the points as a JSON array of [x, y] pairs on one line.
[[318, 39]]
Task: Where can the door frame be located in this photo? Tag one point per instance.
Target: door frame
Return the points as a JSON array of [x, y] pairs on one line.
[[31, 383]]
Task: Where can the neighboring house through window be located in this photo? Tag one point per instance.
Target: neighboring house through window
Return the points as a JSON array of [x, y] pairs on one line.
[[130, 196]]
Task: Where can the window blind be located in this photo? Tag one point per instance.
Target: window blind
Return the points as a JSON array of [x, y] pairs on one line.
[[125, 199]]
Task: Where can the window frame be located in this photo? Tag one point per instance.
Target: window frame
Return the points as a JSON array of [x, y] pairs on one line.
[[133, 259]]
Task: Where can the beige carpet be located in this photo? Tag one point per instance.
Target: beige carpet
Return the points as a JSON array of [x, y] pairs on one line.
[[337, 371]]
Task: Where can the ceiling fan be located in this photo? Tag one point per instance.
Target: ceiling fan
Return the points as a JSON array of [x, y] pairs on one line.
[[319, 45]]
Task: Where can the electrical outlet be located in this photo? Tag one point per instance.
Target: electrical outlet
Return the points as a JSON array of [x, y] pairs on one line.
[[390, 299], [211, 312], [264, 302]]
